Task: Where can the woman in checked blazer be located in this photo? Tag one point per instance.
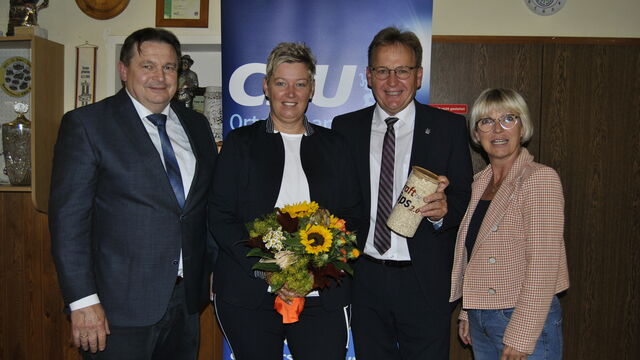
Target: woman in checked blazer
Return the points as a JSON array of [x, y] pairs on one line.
[[510, 259]]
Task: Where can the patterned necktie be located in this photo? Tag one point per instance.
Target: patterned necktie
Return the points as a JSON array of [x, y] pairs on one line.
[[170, 162], [382, 235]]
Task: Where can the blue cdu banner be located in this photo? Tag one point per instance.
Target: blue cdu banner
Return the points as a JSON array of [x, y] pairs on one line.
[[337, 31]]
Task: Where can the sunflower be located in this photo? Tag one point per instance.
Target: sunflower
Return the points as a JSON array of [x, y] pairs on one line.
[[301, 209], [316, 239]]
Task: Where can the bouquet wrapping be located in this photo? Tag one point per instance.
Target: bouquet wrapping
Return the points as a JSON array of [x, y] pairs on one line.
[[302, 247]]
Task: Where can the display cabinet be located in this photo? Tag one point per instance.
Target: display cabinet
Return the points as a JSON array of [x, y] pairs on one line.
[[39, 64]]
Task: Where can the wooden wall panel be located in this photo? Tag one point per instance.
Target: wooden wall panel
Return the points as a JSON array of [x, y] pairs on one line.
[[211, 337], [585, 103], [460, 71], [591, 135], [14, 305], [32, 325], [32, 322]]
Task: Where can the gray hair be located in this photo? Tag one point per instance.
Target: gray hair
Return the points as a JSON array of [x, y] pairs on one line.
[[394, 36]]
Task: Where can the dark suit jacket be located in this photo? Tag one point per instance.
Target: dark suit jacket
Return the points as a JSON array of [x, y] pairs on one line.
[[246, 186], [116, 226], [444, 150]]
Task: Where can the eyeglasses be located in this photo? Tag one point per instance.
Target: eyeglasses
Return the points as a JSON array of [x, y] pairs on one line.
[[507, 121], [383, 72]]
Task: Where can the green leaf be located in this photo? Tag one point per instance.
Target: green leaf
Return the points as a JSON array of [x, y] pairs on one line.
[[258, 252], [272, 267], [275, 288], [343, 266]]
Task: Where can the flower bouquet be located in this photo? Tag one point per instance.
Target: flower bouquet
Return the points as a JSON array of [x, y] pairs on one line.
[[303, 247]]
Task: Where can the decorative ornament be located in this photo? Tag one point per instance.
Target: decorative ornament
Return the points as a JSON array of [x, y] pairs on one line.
[[16, 146], [16, 73], [24, 13], [213, 110], [102, 9], [545, 7], [85, 74]]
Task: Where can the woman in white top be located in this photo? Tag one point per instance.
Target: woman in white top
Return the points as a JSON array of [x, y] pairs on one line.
[[281, 160]]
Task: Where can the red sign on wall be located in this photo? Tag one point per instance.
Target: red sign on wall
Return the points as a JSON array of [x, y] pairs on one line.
[[454, 108]]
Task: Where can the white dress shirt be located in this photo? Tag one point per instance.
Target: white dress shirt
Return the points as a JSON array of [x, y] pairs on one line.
[[186, 162], [404, 141]]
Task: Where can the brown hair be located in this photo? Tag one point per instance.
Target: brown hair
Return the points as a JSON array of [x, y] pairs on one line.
[[148, 34]]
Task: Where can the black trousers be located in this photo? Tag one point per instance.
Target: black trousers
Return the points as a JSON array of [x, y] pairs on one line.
[[396, 321], [175, 337], [259, 334]]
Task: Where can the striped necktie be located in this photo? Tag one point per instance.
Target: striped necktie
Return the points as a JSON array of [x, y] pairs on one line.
[[382, 235]]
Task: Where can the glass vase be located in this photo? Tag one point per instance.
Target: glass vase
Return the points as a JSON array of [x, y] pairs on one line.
[[16, 146]]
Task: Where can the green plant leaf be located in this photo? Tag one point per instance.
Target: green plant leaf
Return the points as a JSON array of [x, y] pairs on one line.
[[343, 266], [258, 252], [271, 267]]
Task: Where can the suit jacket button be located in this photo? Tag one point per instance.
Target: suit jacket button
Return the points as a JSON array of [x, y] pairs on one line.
[[494, 228], [492, 260], [491, 291], [175, 262]]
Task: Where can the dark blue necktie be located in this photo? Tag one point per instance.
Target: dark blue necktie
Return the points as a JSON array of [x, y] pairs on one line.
[[170, 162]]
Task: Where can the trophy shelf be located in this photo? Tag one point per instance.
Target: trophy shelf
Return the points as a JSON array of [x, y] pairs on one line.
[[45, 101]]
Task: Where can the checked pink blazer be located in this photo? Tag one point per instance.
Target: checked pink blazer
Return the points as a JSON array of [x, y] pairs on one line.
[[519, 259]]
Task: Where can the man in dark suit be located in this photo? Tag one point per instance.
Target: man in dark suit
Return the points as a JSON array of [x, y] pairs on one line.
[[400, 299], [128, 208]]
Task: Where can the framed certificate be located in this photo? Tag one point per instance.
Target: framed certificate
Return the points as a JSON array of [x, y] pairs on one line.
[[182, 13]]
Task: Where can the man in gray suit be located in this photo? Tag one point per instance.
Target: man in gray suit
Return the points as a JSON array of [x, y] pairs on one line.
[[129, 189]]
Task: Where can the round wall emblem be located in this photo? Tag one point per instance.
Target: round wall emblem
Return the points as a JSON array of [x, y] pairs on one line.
[[545, 7], [17, 76]]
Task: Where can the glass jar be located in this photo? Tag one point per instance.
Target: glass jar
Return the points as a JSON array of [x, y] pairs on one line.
[[16, 146]]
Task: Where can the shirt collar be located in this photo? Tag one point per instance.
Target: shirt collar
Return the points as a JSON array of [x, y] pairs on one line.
[[405, 116], [142, 111], [308, 129]]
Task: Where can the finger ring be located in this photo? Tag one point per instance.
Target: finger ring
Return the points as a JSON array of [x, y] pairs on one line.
[[84, 336]]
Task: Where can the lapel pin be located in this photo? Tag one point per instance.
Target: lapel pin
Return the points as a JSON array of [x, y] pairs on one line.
[[427, 131]]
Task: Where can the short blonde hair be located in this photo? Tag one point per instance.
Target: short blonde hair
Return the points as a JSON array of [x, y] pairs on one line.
[[501, 99], [288, 52]]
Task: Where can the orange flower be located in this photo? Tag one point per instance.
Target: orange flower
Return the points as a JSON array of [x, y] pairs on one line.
[[343, 251], [354, 253], [337, 223]]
